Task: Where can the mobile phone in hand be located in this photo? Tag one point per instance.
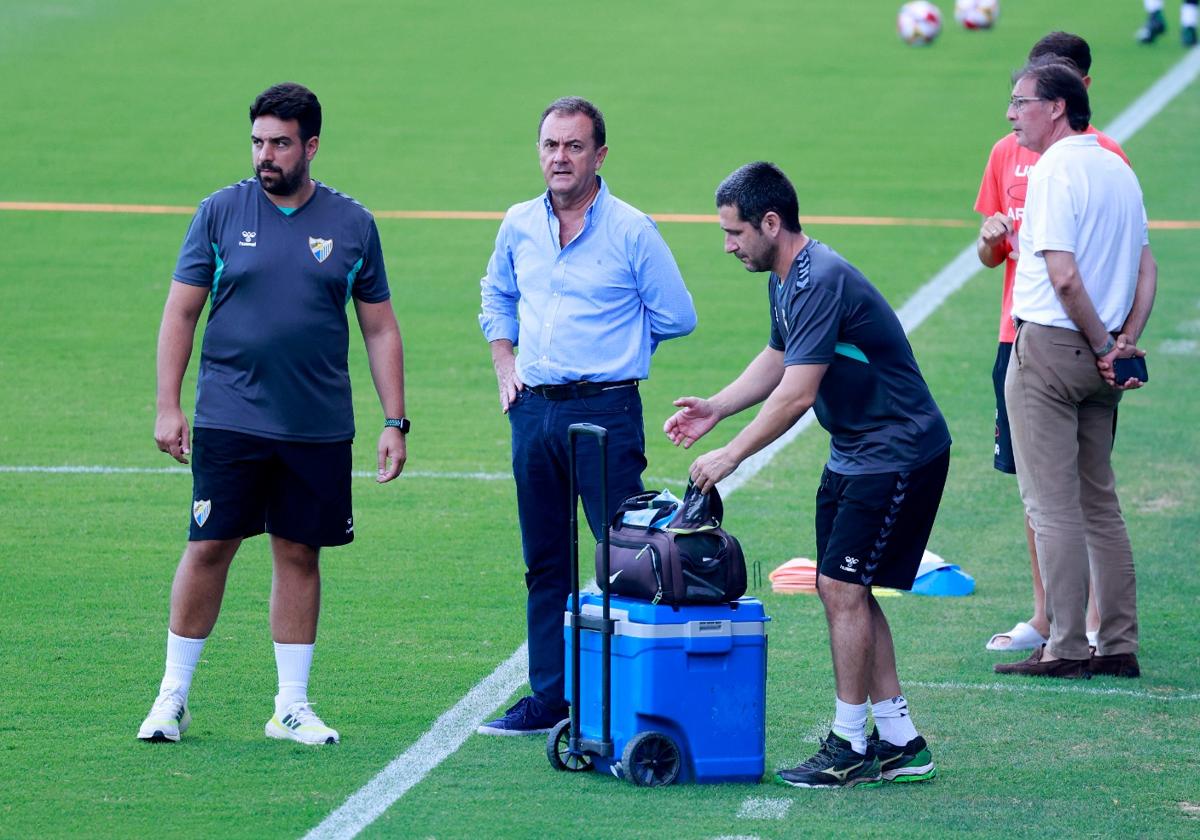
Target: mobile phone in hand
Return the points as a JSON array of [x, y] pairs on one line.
[[1135, 367]]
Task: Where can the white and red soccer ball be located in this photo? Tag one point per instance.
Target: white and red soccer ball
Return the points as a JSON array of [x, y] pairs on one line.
[[918, 23], [976, 14]]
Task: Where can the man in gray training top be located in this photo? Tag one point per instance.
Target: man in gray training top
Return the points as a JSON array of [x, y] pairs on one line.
[[836, 346], [278, 256]]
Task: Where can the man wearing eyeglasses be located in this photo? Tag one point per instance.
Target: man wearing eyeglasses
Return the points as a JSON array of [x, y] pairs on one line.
[[1001, 200], [1084, 287]]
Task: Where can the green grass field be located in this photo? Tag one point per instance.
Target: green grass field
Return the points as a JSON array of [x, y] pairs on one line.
[[433, 106]]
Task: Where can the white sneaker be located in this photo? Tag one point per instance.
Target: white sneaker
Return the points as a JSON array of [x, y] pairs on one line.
[[299, 722], [168, 719]]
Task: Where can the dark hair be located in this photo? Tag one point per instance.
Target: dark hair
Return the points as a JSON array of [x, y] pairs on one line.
[[1056, 80], [757, 189], [576, 105], [1056, 59], [1065, 45], [290, 101]]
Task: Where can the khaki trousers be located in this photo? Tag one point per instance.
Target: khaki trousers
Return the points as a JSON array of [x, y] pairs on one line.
[[1061, 412]]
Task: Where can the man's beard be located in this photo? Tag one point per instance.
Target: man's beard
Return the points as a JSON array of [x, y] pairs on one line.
[[764, 261], [283, 183]]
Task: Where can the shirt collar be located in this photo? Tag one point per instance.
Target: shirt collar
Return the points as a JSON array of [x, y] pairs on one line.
[[597, 202], [1084, 139]]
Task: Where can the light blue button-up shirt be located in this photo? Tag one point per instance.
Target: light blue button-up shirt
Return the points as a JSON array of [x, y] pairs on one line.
[[594, 310]]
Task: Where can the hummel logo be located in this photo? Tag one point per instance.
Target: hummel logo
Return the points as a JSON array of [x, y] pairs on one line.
[[248, 239], [849, 564]]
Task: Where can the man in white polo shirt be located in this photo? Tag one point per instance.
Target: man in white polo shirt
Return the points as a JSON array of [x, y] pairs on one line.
[[1083, 292]]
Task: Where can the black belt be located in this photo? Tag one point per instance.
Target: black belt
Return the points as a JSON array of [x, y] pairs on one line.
[[579, 390]]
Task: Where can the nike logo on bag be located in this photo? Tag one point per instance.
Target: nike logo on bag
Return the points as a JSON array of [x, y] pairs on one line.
[[613, 577]]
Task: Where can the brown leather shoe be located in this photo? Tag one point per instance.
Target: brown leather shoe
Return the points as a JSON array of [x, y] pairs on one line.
[[1068, 669], [1115, 665]]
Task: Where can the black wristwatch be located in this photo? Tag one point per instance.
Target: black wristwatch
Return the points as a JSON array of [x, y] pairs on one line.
[[401, 423]]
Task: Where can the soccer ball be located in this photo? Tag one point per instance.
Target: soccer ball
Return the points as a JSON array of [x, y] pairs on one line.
[[918, 23], [976, 14]]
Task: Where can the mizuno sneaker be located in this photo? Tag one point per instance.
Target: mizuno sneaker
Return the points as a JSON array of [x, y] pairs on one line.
[[836, 765], [298, 722], [168, 718], [911, 763]]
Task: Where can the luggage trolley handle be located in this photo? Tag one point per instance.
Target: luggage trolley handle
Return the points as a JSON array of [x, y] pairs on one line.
[[605, 746]]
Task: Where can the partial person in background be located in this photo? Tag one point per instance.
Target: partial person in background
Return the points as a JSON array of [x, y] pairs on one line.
[[1156, 24], [278, 256], [1001, 200], [586, 287], [1084, 289]]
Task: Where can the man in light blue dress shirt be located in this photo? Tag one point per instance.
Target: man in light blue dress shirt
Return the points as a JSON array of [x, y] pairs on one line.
[[585, 285]]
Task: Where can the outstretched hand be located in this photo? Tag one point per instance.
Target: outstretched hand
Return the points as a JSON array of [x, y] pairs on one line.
[[695, 418]]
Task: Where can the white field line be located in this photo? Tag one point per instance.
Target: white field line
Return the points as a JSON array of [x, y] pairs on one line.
[[1053, 687], [92, 469], [411, 766], [97, 469], [1157, 96], [764, 808]]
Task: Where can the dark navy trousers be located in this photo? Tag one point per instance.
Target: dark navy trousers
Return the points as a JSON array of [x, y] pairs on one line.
[[540, 467]]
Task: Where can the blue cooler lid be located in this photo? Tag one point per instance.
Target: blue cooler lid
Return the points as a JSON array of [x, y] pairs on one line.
[[744, 609]]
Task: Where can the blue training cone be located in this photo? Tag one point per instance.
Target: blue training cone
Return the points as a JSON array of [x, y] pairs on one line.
[[937, 577]]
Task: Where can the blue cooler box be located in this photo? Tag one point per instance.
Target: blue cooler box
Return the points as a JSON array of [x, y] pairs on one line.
[[697, 674]]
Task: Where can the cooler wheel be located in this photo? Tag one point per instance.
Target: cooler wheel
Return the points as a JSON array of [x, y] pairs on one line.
[[558, 750], [651, 759]]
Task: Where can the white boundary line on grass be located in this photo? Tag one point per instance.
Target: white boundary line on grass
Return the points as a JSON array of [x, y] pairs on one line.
[[1054, 687], [97, 469], [453, 727]]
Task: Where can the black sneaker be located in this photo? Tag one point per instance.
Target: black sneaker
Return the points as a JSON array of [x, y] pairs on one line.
[[1188, 36], [1155, 25], [911, 763], [527, 717], [835, 765]]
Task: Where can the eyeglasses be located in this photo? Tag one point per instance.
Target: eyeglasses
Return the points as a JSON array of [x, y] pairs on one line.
[[1017, 103]]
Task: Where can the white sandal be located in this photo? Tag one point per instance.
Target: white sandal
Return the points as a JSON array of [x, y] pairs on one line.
[[1023, 636]]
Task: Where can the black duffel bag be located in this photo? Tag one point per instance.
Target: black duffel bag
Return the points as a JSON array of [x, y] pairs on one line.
[[680, 555]]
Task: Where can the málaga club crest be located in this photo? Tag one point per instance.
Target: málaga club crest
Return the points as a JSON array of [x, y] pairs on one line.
[[321, 248]]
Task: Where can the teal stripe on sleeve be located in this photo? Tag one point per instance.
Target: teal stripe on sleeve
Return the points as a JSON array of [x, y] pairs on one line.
[[850, 351], [350, 278]]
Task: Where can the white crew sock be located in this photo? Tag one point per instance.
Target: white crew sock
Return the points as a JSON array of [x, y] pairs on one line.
[[1188, 14], [850, 722], [1152, 6], [293, 663], [182, 655], [893, 721]]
